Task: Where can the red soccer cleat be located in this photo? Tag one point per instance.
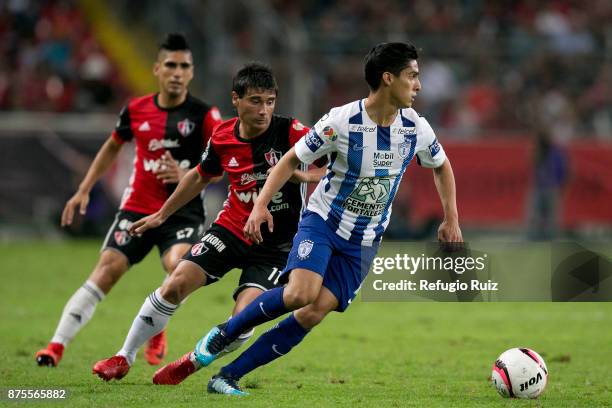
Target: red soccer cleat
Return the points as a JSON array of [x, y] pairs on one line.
[[50, 356], [175, 372], [156, 349], [115, 367]]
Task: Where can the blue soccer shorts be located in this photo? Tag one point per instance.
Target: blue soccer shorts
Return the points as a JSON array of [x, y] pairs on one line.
[[342, 264]]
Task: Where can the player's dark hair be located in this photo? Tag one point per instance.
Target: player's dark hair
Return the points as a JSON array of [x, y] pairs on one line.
[[174, 42], [254, 75], [387, 57]]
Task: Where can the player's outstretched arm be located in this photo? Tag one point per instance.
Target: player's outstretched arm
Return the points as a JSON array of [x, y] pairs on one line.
[[277, 178], [103, 160], [189, 187], [444, 179]]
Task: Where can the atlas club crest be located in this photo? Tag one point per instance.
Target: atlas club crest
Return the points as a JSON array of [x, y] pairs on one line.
[[185, 127], [122, 238], [272, 157]]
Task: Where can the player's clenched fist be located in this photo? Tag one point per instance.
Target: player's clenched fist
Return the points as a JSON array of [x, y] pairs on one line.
[[252, 228], [80, 200], [450, 232], [146, 223]]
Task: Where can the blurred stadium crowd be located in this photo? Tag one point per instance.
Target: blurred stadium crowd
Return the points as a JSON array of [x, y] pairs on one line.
[[51, 61], [485, 65], [520, 92]]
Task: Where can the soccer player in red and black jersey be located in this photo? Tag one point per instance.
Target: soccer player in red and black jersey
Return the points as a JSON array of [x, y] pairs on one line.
[[245, 148], [171, 129]]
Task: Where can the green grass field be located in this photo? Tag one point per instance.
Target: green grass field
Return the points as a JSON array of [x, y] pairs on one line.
[[375, 354]]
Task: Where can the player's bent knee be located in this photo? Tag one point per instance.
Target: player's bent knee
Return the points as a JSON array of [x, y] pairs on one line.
[[172, 258], [295, 298], [171, 263], [181, 283]]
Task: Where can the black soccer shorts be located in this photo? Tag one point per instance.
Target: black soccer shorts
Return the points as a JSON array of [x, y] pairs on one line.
[[219, 251], [176, 230]]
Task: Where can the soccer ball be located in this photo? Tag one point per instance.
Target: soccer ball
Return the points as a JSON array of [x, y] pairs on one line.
[[520, 373]]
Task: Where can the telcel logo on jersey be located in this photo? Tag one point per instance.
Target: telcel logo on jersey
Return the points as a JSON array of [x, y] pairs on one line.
[[361, 128], [403, 130]]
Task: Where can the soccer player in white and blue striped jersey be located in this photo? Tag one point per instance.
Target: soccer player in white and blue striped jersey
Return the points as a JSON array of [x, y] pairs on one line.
[[369, 143]]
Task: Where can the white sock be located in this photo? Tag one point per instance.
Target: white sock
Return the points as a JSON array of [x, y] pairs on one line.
[[77, 312], [150, 321]]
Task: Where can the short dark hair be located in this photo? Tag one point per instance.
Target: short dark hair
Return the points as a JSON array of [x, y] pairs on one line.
[[174, 42], [387, 57], [254, 75]]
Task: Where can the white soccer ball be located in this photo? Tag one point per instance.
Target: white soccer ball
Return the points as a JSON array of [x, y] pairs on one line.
[[520, 373]]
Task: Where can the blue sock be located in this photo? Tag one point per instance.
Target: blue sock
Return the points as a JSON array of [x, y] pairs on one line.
[[274, 343], [267, 306]]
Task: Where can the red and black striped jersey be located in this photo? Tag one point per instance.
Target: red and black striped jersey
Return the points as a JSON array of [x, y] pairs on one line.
[[184, 131], [246, 161]]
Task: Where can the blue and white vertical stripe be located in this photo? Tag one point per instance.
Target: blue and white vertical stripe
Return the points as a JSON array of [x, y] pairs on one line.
[[366, 164]]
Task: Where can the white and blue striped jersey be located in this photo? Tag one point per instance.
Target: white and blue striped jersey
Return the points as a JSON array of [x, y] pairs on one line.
[[366, 164]]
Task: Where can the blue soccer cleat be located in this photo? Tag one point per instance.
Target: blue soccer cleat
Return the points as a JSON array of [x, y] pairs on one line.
[[210, 346], [221, 384]]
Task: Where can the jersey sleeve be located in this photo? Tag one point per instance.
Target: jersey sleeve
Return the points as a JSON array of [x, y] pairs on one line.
[[430, 152], [210, 165], [296, 131], [319, 141], [123, 129], [212, 119]]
